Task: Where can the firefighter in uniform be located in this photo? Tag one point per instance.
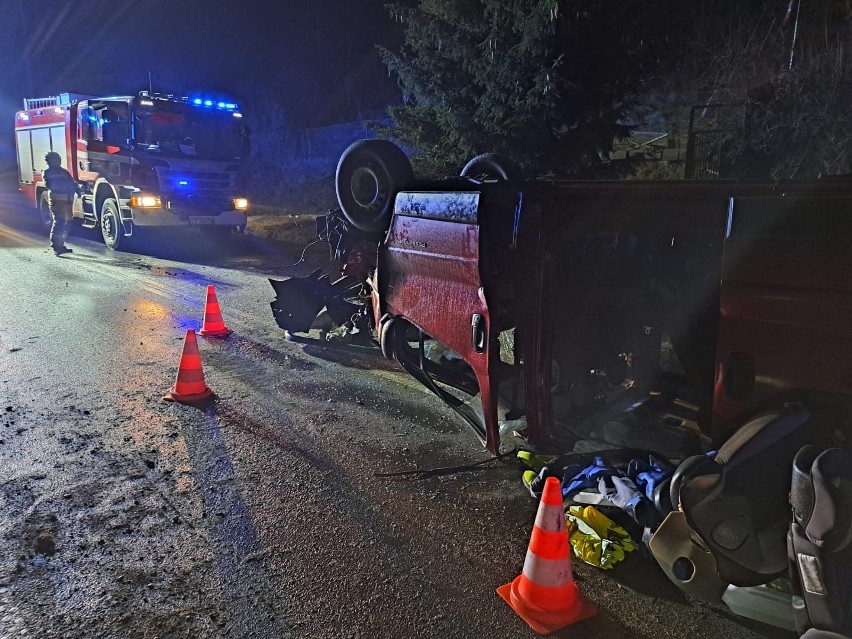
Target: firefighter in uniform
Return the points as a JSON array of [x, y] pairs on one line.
[[61, 187]]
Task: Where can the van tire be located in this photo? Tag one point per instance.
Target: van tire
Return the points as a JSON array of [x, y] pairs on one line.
[[491, 167], [369, 175], [387, 335]]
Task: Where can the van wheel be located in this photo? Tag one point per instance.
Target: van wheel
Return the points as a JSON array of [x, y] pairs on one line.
[[369, 175], [45, 219], [387, 337], [110, 224], [491, 167]]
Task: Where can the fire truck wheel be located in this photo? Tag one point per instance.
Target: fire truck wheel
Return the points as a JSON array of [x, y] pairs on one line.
[[490, 167], [45, 219], [110, 223], [369, 174]]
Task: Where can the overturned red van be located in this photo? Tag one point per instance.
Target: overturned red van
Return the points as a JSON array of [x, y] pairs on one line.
[[609, 311]]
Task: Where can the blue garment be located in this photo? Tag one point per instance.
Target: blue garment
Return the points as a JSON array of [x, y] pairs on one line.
[[633, 490], [622, 492], [575, 478], [647, 475], [619, 488]]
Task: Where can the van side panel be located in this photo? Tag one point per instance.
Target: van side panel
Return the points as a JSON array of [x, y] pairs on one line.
[[432, 279], [786, 303]]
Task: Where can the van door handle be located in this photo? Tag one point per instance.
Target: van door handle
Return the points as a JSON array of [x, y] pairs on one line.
[[477, 332]]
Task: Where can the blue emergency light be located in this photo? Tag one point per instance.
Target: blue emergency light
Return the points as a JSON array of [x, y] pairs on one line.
[[205, 102], [214, 103]]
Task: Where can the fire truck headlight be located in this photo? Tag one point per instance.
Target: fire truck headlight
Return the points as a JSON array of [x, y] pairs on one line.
[[240, 203], [145, 202]]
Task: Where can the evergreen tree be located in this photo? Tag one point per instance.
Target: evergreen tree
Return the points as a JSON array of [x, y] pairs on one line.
[[547, 83]]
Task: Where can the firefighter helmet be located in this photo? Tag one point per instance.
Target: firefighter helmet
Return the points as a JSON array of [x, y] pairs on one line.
[[53, 159]]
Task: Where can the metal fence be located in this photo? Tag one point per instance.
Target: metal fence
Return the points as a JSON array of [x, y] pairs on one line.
[[709, 126]]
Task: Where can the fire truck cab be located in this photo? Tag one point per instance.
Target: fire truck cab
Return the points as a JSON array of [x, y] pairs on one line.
[[144, 161]]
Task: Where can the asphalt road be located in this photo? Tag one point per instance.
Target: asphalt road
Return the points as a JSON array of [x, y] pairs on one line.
[[123, 516]]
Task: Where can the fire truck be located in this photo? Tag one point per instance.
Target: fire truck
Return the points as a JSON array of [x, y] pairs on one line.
[[150, 160]]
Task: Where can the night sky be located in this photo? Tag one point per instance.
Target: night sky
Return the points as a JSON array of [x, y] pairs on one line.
[[317, 58]]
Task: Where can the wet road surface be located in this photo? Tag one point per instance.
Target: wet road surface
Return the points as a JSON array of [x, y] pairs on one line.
[[258, 515]]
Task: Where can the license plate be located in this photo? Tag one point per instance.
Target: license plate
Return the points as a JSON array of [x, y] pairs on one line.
[[202, 220]]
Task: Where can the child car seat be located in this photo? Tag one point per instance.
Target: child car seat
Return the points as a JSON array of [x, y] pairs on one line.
[[820, 541], [732, 511]]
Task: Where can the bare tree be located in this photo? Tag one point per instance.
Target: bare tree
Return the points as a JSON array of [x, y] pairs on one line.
[[783, 76]]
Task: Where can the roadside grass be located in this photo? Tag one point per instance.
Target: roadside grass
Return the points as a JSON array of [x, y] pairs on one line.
[[291, 218], [280, 225]]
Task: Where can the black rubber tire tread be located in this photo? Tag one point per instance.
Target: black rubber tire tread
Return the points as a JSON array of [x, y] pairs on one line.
[[369, 175], [119, 240], [490, 166], [45, 217], [386, 339]]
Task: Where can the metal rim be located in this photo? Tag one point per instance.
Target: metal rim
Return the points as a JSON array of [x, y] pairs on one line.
[[368, 187], [109, 225], [368, 174]]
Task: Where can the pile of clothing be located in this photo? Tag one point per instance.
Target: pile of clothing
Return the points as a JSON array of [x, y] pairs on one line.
[[629, 481]]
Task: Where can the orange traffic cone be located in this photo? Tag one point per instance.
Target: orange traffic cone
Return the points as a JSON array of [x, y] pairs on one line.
[[190, 385], [213, 325], [544, 594]]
